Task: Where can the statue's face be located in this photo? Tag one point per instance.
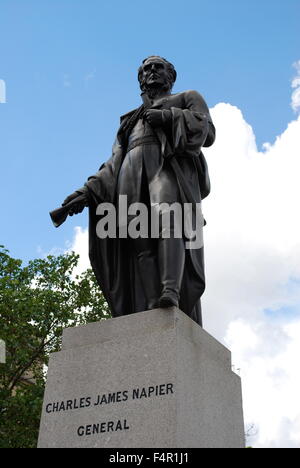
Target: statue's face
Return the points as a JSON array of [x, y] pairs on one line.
[[155, 73]]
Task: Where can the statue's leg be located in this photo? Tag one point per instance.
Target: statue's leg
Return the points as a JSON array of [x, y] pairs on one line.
[[146, 254], [171, 261]]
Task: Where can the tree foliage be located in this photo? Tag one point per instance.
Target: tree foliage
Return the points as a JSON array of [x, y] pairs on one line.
[[37, 302]]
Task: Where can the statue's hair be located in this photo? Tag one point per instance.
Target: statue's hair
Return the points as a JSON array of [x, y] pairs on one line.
[[172, 75]]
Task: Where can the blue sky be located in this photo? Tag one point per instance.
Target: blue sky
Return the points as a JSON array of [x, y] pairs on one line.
[[70, 72], [70, 69]]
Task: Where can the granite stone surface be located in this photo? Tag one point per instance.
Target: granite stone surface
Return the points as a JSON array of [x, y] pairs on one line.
[[152, 379]]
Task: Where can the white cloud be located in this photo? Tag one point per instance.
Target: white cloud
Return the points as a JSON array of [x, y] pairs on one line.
[[89, 76], [80, 247], [252, 247], [66, 81], [268, 355], [252, 239], [252, 244], [296, 86]]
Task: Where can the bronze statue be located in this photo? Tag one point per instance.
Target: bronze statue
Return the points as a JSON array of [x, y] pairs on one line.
[[156, 159]]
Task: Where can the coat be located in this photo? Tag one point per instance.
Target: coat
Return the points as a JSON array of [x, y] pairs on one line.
[[189, 129]]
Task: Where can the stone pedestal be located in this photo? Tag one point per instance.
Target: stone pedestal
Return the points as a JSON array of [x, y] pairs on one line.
[[153, 379]]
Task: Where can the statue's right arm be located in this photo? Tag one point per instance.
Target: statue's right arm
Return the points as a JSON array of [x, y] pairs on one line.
[[96, 190], [101, 186], [83, 201]]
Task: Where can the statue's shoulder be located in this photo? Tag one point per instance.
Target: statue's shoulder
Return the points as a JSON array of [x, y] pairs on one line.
[[187, 96], [192, 94], [187, 92]]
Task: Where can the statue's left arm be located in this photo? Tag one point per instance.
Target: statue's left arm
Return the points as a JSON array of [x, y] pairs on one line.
[[191, 125], [187, 122], [197, 108]]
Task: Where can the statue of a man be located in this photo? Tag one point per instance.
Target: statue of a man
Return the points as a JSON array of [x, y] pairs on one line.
[[156, 159]]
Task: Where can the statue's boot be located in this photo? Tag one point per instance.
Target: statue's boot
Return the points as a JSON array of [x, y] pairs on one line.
[[147, 264], [171, 260]]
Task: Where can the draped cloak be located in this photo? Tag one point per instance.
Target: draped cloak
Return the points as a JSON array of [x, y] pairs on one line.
[[188, 127]]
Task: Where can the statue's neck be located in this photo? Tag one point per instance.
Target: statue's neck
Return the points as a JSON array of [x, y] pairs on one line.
[[154, 94]]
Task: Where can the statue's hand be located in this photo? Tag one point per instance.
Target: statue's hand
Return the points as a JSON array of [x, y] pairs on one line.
[[78, 200], [154, 117], [70, 198]]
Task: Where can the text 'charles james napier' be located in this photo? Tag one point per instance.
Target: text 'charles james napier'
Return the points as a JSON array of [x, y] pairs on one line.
[[108, 398]]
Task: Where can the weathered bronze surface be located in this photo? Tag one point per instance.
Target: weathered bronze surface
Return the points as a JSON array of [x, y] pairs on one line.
[[156, 159]]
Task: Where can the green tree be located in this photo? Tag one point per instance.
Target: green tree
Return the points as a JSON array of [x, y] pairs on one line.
[[37, 302]]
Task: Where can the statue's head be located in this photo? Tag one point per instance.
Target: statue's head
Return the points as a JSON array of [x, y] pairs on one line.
[[156, 72]]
